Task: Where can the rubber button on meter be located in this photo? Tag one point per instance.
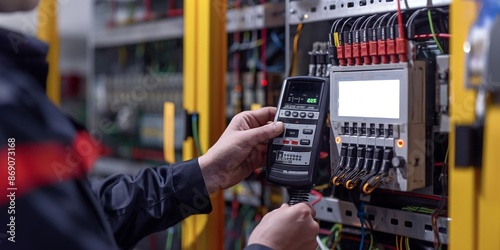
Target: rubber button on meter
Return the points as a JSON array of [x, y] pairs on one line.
[[302, 114], [310, 115], [287, 113], [295, 142], [305, 142], [293, 133], [295, 114], [307, 131]]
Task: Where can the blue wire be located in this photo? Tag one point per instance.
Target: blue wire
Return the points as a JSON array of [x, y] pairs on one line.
[[276, 40], [361, 215]]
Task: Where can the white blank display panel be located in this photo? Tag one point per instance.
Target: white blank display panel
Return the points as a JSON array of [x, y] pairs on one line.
[[371, 98]]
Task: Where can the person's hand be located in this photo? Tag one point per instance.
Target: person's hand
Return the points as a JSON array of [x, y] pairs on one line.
[[241, 148], [288, 227]]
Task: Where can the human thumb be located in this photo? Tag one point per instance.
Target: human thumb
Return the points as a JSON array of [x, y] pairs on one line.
[[263, 134]]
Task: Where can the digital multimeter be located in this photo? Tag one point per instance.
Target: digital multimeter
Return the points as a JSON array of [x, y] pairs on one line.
[[293, 156]]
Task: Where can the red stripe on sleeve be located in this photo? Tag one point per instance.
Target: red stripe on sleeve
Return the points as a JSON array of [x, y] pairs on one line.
[[28, 166]]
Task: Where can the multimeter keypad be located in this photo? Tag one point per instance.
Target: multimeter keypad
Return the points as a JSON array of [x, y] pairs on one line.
[[298, 135], [296, 114]]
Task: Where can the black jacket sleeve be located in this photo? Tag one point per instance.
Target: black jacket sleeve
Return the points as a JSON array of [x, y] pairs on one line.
[[153, 200]]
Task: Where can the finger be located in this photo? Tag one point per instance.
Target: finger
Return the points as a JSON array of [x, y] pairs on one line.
[[262, 134], [307, 208], [284, 205], [263, 115]]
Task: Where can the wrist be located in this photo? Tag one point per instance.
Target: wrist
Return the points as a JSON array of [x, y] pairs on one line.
[[209, 176]]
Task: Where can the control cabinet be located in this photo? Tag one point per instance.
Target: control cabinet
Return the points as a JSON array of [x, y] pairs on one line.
[[378, 123]]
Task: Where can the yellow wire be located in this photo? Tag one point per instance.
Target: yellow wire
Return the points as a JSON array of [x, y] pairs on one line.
[[408, 243], [321, 187], [397, 246], [401, 242], [336, 39], [295, 48]]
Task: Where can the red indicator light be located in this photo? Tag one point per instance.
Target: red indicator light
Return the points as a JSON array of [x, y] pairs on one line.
[[263, 82]]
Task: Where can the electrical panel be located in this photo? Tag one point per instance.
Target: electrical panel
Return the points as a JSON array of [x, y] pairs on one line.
[[388, 66]]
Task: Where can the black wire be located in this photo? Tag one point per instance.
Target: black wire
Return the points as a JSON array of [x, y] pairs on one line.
[[337, 24], [356, 23], [334, 25], [409, 23], [442, 200], [380, 20], [343, 25], [367, 21], [393, 18]]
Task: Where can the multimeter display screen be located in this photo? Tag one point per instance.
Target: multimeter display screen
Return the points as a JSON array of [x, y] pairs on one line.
[[303, 94]]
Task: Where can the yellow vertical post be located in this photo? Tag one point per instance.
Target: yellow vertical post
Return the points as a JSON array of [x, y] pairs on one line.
[[489, 203], [204, 93], [463, 181], [47, 31]]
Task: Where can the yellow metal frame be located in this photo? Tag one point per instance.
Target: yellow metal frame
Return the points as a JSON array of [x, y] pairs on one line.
[[474, 202], [47, 31], [205, 59]]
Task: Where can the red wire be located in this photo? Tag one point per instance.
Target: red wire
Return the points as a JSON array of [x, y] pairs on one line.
[[429, 197], [112, 6], [236, 37], [320, 196], [400, 21], [147, 4], [263, 34], [324, 231], [172, 11]]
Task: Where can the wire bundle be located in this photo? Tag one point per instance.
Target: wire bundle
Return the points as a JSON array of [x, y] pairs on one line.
[[442, 202]]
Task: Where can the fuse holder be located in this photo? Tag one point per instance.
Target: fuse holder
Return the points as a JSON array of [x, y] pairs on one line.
[[365, 53], [341, 56], [382, 51], [348, 54], [402, 49], [373, 51], [356, 54], [391, 50]]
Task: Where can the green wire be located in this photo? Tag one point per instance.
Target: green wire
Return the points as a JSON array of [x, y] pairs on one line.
[[432, 31], [408, 243], [170, 238], [194, 125], [371, 241], [238, 244], [418, 209]]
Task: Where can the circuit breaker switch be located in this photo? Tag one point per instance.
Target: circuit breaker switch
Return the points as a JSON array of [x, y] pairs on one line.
[[377, 158], [340, 167], [351, 156], [360, 159], [386, 162], [368, 159]]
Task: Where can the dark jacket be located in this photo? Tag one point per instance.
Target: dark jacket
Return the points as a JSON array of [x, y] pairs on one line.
[[46, 200]]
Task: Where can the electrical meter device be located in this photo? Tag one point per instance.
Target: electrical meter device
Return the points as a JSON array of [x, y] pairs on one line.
[[294, 155]]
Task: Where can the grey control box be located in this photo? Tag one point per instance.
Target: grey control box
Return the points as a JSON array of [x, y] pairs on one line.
[[382, 107]]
